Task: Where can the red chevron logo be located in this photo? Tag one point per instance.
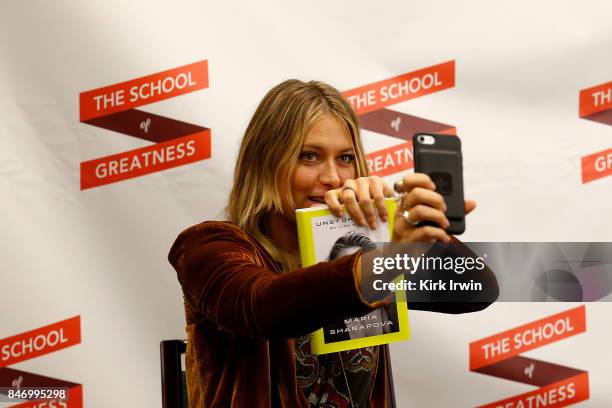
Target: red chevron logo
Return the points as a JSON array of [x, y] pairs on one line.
[[30, 390], [371, 103], [175, 143], [596, 105], [500, 356]]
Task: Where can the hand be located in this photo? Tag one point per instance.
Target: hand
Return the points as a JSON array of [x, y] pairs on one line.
[[362, 197], [423, 204]]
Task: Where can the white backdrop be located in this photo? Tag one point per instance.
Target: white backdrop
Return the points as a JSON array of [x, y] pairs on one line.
[[101, 253]]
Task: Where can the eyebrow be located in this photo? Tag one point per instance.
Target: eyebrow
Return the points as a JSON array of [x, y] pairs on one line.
[[319, 147]]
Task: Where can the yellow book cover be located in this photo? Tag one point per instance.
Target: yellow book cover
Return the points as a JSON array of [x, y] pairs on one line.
[[322, 237]]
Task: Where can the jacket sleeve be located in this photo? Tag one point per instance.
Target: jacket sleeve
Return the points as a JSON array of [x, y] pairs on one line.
[[449, 302], [224, 277]]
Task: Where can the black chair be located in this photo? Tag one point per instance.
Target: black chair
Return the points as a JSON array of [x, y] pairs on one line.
[[174, 385]]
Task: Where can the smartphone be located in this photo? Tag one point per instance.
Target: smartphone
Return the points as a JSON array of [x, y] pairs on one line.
[[439, 156]]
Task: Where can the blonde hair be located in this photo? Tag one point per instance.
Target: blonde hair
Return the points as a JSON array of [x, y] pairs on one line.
[[270, 149]]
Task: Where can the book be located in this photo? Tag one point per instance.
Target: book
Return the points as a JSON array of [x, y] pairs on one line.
[[323, 237]]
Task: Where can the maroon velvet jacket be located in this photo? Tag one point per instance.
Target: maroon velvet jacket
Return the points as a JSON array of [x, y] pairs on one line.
[[242, 315]]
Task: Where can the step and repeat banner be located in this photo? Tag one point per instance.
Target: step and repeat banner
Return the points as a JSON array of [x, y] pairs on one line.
[[120, 124]]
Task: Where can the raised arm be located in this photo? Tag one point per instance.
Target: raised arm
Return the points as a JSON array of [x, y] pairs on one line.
[[230, 279]]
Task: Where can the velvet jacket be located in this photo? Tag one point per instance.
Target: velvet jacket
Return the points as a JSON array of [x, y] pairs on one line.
[[242, 315]]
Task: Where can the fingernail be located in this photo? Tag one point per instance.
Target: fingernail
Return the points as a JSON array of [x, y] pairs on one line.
[[433, 186], [384, 217], [374, 225]]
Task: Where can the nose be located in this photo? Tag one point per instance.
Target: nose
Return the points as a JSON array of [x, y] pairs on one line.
[[329, 175]]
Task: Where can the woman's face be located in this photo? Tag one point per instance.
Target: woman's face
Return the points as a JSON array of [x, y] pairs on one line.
[[326, 160]]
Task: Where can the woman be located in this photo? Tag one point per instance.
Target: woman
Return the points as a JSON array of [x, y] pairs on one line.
[[248, 305]]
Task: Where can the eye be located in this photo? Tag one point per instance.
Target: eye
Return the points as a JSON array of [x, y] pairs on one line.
[[347, 158], [308, 156]]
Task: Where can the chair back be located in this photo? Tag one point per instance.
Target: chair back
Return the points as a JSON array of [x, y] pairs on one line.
[[174, 385]]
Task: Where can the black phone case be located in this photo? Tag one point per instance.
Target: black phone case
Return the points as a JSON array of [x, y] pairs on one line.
[[443, 162]]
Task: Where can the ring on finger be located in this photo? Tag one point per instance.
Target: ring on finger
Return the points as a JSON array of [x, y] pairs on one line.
[[398, 186], [406, 216], [348, 188]]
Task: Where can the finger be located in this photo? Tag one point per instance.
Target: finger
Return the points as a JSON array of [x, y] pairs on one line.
[[470, 205], [331, 198], [414, 180], [424, 196], [377, 191], [351, 205], [422, 213], [429, 233], [388, 191], [365, 201]]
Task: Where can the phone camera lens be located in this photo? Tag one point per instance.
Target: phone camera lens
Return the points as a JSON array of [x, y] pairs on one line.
[[426, 139]]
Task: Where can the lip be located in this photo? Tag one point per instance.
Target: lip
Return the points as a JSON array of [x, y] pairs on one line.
[[312, 203]]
